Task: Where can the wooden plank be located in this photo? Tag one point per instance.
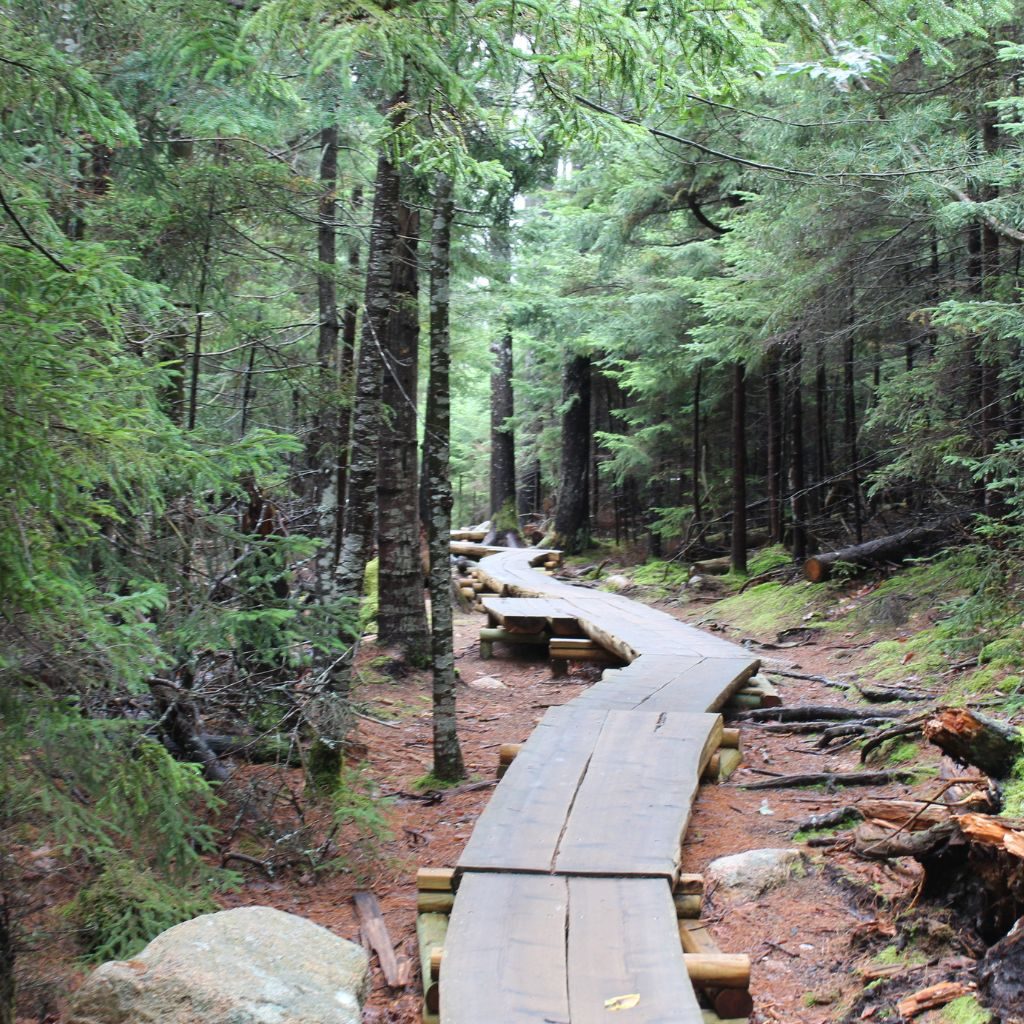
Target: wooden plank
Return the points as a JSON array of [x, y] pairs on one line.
[[505, 952], [397, 972], [623, 942], [633, 805], [521, 824], [704, 687]]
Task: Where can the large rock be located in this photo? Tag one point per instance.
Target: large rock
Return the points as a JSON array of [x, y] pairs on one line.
[[254, 965], [754, 872]]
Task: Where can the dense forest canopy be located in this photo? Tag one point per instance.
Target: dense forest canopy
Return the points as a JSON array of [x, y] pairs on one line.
[[289, 288]]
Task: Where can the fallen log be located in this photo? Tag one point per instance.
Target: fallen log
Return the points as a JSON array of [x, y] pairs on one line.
[[893, 548], [832, 779], [814, 712], [973, 738], [711, 567]]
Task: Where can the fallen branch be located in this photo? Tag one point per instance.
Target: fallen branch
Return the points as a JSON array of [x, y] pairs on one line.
[[906, 729], [833, 779], [813, 712]]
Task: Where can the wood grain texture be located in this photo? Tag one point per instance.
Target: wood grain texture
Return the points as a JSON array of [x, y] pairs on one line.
[[633, 805], [520, 827], [623, 940], [505, 951]]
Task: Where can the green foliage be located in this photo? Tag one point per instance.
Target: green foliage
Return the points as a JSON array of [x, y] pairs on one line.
[[660, 574], [774, 557], [126, 906]]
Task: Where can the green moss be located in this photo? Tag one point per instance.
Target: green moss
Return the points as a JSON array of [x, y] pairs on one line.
[[965, 1010], [770, 607], [1013, 791], [775, 557], [430, 781], [661, 574], [903, 753], [892, 955]]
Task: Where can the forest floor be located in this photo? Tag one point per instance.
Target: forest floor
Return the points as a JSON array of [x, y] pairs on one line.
[[841, 943]]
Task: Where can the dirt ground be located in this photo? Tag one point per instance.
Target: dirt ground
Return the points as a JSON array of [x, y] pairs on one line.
[[810, 941]]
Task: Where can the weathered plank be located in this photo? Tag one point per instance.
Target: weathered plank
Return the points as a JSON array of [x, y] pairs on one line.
[[623, 942], [521, 824], [632, 807], [505, 952]]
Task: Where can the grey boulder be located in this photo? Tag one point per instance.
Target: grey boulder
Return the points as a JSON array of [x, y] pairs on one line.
[[754, 872], [253, 965]]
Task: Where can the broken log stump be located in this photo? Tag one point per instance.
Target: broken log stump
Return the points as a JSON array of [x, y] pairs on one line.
[[973, 738]]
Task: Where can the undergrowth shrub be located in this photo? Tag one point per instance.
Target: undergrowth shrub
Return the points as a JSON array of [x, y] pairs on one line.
[[127, 905]]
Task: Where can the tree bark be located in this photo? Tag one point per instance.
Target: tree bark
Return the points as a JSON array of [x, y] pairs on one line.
[[974, 738], [573, 514], [329, 715], [739, 468], [695, 447], [401, 615], [893, 547], [448, 764], [503, 451], [321, 448], [797, 477], [850, 431], [774, 403]]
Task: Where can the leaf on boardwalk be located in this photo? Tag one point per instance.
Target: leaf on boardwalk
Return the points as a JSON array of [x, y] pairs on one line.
[[623, 1002]]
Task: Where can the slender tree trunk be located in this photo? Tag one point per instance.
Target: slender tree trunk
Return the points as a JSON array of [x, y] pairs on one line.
[[172, 352], [990, 405], [774, 403], [739, 468], [346, 383], [503, 450], [821, 427], [797, 474], [248, 390], [850, 430], [573, 514], [695, 447], [401, 615], [330, 716], [448, 764], [321, 449]]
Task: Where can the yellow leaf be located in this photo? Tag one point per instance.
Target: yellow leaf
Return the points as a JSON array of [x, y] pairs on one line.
[[622, 1002]]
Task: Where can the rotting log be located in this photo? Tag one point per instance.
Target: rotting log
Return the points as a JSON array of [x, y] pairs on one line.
[[833, 779], [892, 548], [711, 567], [397, 970], [972, 738], [431, 930], [930, 998], [814, 713]]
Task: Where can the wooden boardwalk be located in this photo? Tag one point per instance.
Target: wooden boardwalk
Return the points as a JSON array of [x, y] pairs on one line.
[[564, 907]]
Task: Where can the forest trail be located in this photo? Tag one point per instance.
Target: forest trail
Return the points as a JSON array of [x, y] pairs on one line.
[[564, 893]]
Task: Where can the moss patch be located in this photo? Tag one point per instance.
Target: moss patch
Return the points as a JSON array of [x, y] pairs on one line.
[[770, 607], [965, 1010]]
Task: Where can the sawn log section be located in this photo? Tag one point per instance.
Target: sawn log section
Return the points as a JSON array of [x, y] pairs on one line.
[[564, 891]]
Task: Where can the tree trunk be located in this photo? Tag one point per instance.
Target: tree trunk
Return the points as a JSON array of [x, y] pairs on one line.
[[573, 514], [329, 716], [797, 478], [774, 403], [850, 431], [401, 615], [346, 381], [894, 547], [321, 447], [503, 450], [739, 468], [448, 764], [695, 447]]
